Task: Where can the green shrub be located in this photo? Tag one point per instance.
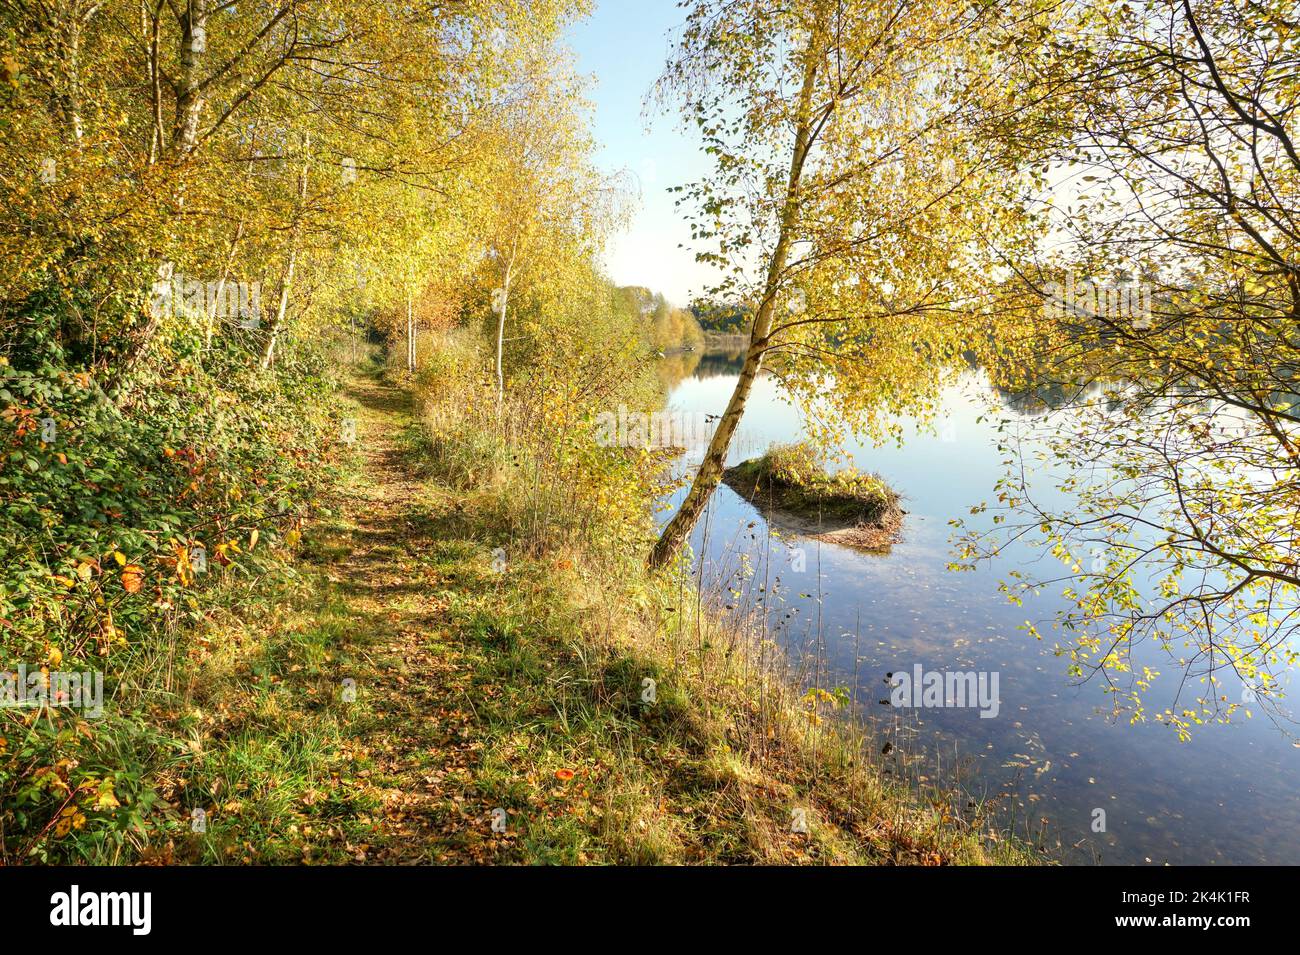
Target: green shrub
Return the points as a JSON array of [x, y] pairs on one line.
[[121, 519]]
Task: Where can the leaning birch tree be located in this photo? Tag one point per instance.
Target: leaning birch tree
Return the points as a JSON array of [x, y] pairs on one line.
[[852, 200]]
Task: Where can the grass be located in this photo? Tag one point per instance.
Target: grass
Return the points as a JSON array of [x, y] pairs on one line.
[[514, 694], [861, 509]]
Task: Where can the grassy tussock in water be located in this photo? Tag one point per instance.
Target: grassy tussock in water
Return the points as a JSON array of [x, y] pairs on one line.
[[853, 507]]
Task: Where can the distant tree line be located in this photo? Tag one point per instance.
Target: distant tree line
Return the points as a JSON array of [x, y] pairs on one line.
[[722, 317], [666, 326]]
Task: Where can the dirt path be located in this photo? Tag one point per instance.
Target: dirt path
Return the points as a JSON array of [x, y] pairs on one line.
[[410, 731]]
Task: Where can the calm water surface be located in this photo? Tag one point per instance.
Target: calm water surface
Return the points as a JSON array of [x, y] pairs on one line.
[[1053, 752]]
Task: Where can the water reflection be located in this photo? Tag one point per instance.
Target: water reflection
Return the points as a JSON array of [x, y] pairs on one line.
[[1055, 751]]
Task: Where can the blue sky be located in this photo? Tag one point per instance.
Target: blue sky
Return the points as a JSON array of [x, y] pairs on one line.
[[623, 45]]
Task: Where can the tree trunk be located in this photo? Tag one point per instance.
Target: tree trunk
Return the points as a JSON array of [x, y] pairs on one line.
[[286, 281], [190, 101], [190, 96], [709, 474], [72, 92], [410, 333], [501, 332], [281, 306], [221, 285]]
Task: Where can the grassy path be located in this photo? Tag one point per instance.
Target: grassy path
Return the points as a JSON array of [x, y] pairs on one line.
[[406, 692], [415, 669], [475, 693], [465, 704], [356, 742]]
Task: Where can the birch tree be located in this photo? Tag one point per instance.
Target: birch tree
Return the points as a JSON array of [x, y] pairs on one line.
[[549, 210], [852, 199], [1166, 309]]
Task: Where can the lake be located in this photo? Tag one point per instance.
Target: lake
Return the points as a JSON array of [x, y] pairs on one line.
[[1053, 754]]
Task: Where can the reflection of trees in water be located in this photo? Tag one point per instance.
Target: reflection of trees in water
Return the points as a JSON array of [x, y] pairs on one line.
[[675, 368], [1037, 399], [1178, 534], [1045, 397], [714, 364]]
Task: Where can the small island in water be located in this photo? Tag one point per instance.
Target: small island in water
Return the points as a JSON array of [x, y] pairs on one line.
[[847, 506]]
